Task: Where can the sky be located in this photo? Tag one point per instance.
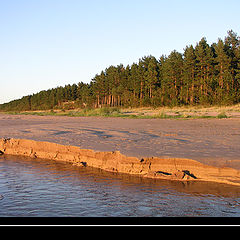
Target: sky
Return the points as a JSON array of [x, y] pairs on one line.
[[50, 43]]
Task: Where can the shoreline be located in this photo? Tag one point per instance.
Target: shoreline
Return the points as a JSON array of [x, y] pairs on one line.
[[174, 169]]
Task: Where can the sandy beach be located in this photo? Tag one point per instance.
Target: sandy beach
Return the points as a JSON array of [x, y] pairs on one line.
[[210, 141]]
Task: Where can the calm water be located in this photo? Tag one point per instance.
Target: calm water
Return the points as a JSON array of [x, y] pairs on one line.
[[43, 188]]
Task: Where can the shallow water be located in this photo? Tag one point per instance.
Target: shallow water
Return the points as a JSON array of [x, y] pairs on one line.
[[44, 188]]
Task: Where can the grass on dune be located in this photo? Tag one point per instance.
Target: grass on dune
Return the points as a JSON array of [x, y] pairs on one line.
[[139, 113]]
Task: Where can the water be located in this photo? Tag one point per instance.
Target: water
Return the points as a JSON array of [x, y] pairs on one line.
[[43, 188]]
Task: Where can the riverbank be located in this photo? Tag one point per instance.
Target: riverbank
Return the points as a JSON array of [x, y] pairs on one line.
[[157, 168]]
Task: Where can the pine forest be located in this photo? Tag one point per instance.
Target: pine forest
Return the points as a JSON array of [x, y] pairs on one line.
[[202, 75]]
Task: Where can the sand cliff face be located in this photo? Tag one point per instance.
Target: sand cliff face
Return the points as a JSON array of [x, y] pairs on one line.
[[172, 169]]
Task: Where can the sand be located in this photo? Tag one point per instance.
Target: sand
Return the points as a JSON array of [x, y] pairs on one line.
[[210, 141]]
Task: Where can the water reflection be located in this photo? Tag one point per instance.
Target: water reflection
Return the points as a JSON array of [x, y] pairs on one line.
[[47, 188]]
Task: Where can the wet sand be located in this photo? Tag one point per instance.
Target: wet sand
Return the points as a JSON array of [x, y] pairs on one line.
[[214, 142]]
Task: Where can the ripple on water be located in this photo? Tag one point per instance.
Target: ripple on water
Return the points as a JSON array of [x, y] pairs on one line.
[[46, 188]]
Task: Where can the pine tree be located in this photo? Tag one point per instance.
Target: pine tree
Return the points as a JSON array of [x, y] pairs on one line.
[[151, 76], [135, 84], [189, 74], [204, 57], [232, 44], [223, 74], [173, 76]]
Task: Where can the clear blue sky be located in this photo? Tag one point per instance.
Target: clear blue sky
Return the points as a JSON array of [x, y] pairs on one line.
[[50, 43]]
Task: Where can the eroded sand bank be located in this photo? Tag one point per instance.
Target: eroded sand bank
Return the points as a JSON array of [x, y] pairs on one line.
[[172, 169]]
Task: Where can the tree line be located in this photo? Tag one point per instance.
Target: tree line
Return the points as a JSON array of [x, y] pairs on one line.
[[202, 75]]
